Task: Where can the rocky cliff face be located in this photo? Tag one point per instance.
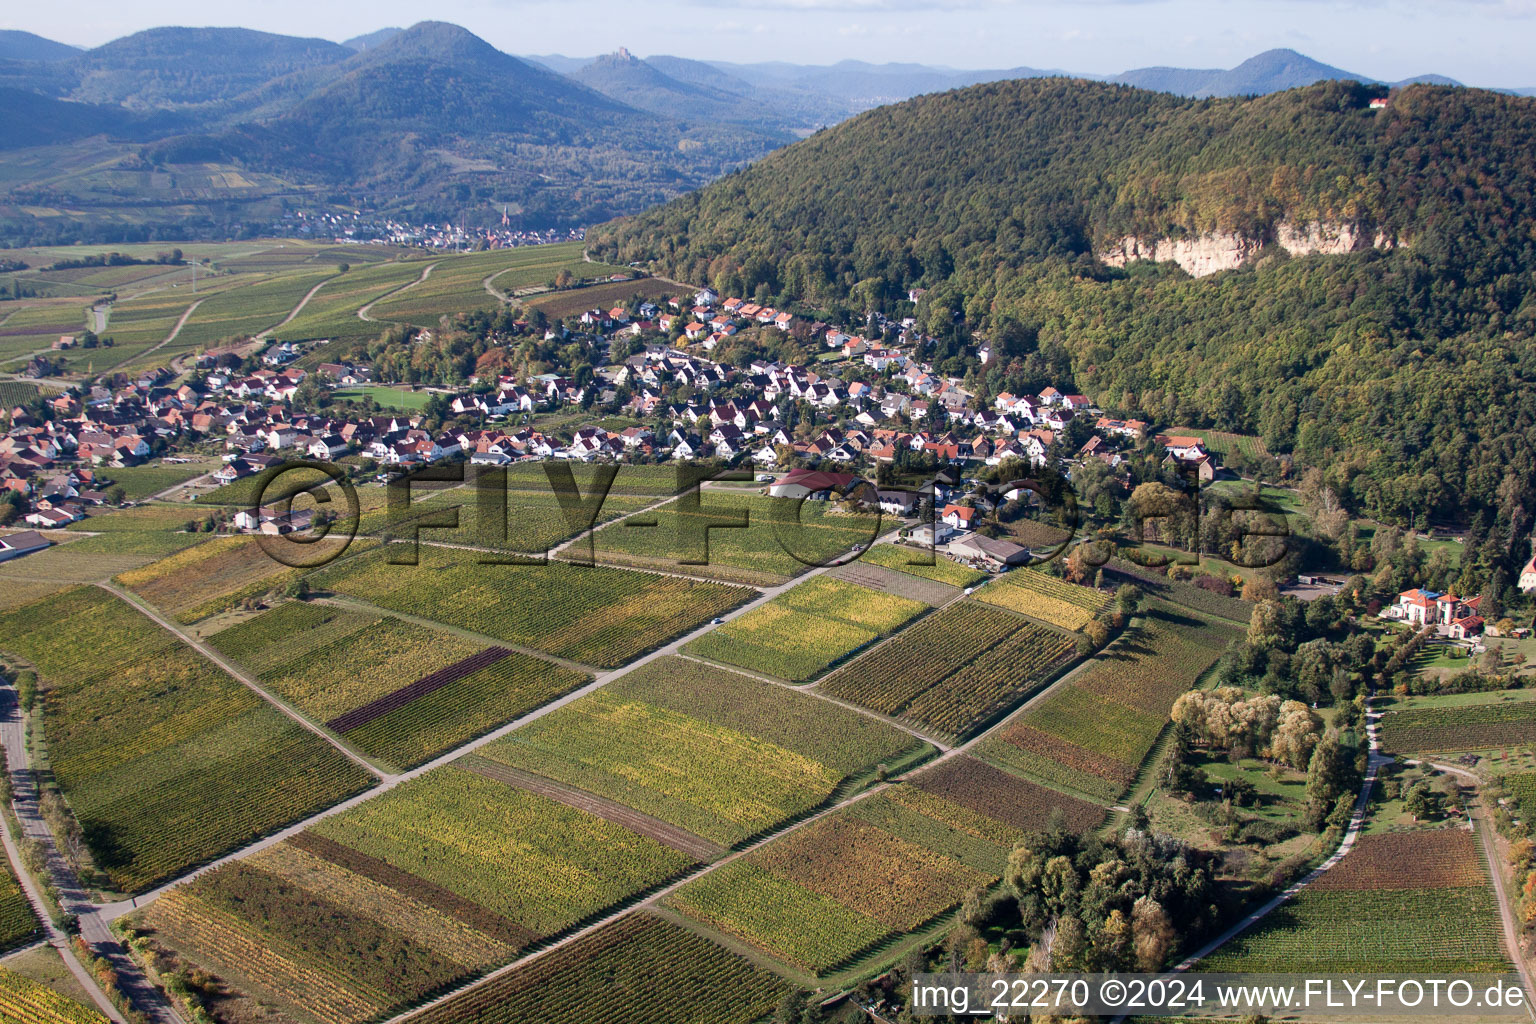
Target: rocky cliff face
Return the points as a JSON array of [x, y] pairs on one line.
[[1215, 251]]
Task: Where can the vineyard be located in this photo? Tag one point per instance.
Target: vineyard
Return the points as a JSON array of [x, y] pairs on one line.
[[821, 896], [453, 828], [326, 662], [456, 286], [139, 482], [1522, 788], [591, 614], [610, 977], [209, 578], [166, 761], [1467, 727], [443, 714], [374, 909], [18, 923], [1018, 802], [1417, 902], [782, 538], [247, 311], [24, 1001], [332, 312], [720, 755], [942, 570], [1045, 598], [845, 742], [1179, 592], [716, 782], [574, 301], [809, 627], [526, 521], [1091, 736], [953, 671]]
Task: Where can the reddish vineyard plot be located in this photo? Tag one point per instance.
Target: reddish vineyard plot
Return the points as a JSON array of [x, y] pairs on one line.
[[869, 871], [637, 970], [1443, 858], [823, 896], [987, 790], [1415, 902]]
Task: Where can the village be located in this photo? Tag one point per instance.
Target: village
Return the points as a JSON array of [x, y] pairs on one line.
[[871, 422]]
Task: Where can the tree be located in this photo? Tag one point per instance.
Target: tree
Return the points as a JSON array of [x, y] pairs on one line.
[[1152, 934]]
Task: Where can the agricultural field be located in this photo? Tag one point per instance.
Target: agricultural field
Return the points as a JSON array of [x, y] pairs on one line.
[[1017, 802], [1180, 592], [1046, 598], [36, 325], [139, 482], [332, 312], [29, 1002], [1223, 442], [325, 661], [43, 965], [943, 570], [807, 628], [245, 492], [246, 312], [1415, 902], [138, 326], [156, 517], [18, 923], [15, 392], [610, 977], [525, 519], [826, 895], [457, 285], [395, 690], [1482, 726], [166, 761], [954, 671], [371, 910], [575, 301], [196, 583], [1522, 788], [590, 614], [439, 712], [719, 754], [134, 537], [782, 538], [1092, 735]]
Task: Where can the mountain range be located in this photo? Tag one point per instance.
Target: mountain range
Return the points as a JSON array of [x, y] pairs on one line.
[[181, 132]]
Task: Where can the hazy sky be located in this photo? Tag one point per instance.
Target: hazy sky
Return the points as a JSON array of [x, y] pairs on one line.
[[1480, 42]]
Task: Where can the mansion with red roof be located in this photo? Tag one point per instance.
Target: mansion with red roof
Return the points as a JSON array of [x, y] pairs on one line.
[[1456, 617]]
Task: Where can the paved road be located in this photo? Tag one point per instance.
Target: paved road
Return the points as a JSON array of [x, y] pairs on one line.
[[73, 898], [1374, 762], [1496, 871], [656, 897]]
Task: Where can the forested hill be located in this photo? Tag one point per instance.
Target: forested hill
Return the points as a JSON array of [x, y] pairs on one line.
[[1407, 372]]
